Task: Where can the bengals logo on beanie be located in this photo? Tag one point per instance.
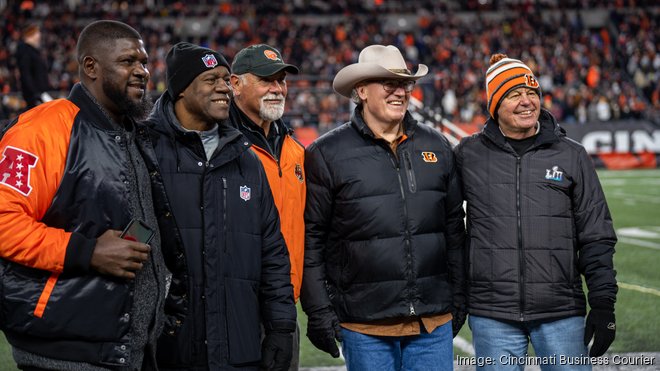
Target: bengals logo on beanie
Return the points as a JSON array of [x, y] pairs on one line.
[[504, 75]]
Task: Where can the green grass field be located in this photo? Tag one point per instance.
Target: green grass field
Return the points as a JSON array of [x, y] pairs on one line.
[[634, 200]]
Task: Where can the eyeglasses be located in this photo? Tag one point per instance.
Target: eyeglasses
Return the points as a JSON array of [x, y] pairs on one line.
[[391, 86]]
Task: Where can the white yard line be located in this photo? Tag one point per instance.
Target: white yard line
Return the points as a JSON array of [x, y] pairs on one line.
[[641, 243], [635, 197], [464, 345], [634, 173], [642, 289], [634, 181]]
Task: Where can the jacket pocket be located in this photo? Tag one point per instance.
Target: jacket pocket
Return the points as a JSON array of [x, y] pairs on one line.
[[37, 303], [243, 321]]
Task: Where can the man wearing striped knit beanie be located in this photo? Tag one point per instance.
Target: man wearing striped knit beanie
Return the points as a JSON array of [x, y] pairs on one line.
[[537, 223]]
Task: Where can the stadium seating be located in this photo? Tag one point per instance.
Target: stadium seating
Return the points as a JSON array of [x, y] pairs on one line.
[[596, 64]]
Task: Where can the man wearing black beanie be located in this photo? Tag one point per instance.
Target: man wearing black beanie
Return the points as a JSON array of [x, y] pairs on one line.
[[233, 273]]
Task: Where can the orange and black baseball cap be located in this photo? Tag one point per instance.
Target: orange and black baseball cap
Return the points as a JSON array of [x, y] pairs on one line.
[[261, 60]]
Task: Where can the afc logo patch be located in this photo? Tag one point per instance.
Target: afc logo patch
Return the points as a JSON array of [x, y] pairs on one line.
[[15, 169], [429, 157]]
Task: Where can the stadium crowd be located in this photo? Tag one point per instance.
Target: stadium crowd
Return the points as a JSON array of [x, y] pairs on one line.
[[587, 74]]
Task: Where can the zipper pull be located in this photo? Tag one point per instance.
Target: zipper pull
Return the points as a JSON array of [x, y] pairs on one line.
[[412, 310], [224, 182]]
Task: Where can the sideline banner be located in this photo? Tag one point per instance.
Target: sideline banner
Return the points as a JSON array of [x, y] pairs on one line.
[[619, 144]]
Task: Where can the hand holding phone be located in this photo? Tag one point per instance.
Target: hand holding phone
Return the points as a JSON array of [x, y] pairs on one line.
[[122, 254], [138, 231]]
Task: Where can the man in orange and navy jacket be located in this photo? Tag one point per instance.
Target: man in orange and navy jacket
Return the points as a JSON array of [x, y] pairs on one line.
[[73, 173], [258, 80]]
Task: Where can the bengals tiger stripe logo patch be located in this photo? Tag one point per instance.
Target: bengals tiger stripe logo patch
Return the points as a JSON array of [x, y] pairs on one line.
[[429, 157]]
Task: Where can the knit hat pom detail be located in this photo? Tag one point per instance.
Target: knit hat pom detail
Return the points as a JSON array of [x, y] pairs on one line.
[[496, 58]]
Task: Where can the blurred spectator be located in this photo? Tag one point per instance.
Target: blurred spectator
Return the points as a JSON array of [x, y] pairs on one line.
[[32, 68]]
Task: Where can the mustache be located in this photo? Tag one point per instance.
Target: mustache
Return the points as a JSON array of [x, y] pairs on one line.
[[272, 96], [138, 82]]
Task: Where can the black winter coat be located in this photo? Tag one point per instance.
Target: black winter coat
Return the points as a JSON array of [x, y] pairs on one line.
[[536, 223], [384, 231], [33, 73], [234, 268]]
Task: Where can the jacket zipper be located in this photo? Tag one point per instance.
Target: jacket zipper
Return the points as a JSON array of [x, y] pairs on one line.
[[270, 151], [411, 308], [521, 255], [276, 159], [412, 184], [224, 212]]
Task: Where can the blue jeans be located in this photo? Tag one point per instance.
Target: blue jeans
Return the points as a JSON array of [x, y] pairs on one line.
[[559, 344], [422, 352]]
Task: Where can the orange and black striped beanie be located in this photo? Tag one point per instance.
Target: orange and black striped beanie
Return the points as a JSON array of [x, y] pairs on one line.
[[503, 75]]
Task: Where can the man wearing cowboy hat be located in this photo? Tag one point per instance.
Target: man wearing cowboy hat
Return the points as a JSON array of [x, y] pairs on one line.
[[384, 227]]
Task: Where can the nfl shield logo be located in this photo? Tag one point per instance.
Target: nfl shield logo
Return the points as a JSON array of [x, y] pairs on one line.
[[209, 60], [245, 192]]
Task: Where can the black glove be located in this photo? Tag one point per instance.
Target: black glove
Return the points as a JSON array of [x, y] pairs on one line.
[[601, 326], [457, 321], [322, 330], [276, 351]]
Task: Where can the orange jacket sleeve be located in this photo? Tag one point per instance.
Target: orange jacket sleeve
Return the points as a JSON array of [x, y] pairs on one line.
[[33, 156]]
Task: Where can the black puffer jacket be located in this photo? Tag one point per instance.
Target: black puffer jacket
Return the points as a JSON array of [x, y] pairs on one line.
[[384, 232], [235, 265], [536, 222]]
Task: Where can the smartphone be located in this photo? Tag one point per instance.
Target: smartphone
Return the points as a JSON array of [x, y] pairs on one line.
[[137, 230]]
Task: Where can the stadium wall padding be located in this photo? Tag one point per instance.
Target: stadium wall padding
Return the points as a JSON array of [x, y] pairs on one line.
[[619, 144]]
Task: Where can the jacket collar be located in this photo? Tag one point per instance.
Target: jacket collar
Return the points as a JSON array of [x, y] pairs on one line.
[[550, 131], [357, 120], [163, 120], [255, 134], [98, 117]]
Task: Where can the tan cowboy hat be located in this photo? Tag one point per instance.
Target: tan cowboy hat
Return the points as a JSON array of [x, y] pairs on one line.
[[375, 61]]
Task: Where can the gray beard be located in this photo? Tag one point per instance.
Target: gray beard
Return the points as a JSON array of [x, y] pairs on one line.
[[270, 113]]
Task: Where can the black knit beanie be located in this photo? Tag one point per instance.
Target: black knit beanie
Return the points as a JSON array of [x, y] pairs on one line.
[[185, 61]]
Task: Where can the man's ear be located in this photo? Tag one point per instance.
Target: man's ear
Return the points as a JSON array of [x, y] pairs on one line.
[[362, 91], [90, 67], [236, 84]]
